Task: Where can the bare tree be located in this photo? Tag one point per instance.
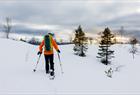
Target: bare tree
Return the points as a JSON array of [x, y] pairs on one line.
[[90, 40], [70, 38], [7, 27], [121, 32]]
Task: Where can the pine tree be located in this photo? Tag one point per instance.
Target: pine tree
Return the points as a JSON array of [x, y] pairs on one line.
[[80, 42], [133, 50], [106, 41]]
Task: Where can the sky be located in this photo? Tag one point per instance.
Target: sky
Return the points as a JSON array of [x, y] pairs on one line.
[[93, 15]]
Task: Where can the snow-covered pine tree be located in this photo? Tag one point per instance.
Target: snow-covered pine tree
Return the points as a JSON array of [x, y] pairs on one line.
[[81, 42], [133, 42], [106, 41]]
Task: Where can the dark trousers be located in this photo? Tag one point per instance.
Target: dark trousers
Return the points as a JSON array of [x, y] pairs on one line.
[[49, 64]]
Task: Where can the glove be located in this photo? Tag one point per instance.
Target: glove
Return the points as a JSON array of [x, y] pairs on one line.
[[58, 51], [39, 53]]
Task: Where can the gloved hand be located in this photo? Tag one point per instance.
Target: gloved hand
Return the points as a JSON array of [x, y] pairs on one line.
[[39, 53], [58, 51]]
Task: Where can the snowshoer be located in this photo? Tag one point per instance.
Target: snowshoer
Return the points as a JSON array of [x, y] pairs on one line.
[[48, 43]]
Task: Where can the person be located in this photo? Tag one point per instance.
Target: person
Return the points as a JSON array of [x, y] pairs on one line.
[[48, 43]]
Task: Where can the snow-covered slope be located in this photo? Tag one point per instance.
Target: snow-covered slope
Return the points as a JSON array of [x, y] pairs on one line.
[[82, 75]]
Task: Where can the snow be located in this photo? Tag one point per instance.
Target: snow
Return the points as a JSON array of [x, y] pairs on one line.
[[82, 75]]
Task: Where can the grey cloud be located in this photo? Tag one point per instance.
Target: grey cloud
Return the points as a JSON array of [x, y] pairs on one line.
[[66, 13]]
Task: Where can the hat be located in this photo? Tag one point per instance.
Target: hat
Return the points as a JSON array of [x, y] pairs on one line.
[[50, 33]]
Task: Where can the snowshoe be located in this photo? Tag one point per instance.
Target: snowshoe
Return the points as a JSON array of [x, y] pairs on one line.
[[52, 76]]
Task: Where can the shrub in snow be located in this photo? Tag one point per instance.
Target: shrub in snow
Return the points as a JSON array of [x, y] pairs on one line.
[[109, 72], [133, 50]]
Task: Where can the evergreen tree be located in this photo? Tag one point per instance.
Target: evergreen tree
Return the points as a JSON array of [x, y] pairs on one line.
[[133, 50], [80, 42], [106, 41]]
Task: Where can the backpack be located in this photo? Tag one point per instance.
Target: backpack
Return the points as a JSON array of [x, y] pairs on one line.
[[47, 41]]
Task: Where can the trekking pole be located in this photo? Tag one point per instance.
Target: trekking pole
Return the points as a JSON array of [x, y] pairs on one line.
[[60, 63], [37, 63]]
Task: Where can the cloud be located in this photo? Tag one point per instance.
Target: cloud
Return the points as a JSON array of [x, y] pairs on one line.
[[68, 13]]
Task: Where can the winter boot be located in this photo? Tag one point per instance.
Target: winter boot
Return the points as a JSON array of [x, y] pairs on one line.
[[47, 72], [51, 72]]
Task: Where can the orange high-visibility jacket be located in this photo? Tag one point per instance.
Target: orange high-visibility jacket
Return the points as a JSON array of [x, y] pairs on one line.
[[53, 44]]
